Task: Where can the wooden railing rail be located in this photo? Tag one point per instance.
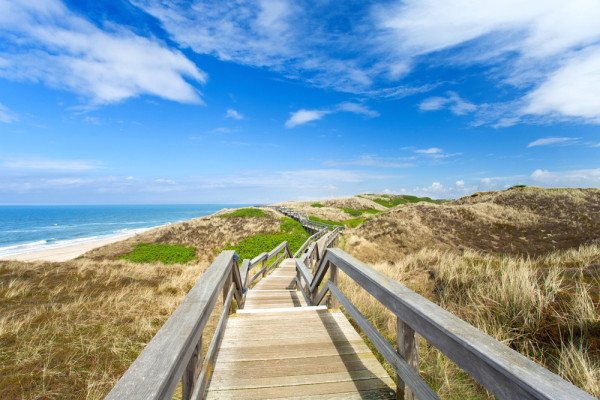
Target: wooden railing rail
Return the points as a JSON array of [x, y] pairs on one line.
[[175, 353], [501, 370], [303, 218]]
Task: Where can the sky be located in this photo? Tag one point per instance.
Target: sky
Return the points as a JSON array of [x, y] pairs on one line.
[[169, 101]]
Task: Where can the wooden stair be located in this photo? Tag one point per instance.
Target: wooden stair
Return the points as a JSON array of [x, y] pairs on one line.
[[279, 347]]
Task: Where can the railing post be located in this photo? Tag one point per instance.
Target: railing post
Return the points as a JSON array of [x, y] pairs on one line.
[[263, 265], [408, 347], [227, 284], [191, 373], [333, 277]]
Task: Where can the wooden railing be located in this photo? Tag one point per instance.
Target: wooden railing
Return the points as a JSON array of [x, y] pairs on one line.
[[175, 353], [501, 370], [303, 218]]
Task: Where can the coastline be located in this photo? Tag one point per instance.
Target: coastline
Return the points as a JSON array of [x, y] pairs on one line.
[[65, 253]]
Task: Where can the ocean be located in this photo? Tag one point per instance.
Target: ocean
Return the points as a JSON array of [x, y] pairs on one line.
[[31, 228]]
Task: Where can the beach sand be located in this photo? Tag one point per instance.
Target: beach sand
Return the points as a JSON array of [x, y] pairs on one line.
[[64, 253]]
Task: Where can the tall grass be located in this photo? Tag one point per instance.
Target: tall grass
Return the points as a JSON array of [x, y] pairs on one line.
[[529, 304]]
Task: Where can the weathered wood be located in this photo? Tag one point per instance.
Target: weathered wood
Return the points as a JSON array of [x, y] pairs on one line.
[[207, 365], [407, 341], [319, 298], [190, 375], [405, 371], [266, 356], [158, 369], [333, 278], [503, 371]]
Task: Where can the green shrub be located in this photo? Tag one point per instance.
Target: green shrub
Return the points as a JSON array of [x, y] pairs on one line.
[[349, 222], [415, 199], [352, 211], [357, 213], [165, 253], [245, 212], [317, 205], [291, 231]]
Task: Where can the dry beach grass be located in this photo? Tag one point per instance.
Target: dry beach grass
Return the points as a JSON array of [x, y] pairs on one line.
[[71, 329], [521, 265]]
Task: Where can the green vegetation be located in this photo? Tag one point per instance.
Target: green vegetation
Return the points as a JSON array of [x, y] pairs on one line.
[[245, 212], [392, 201], [291, 231], [352, 223], [357, 213], [415, 199], [165, 253], [317, 205]]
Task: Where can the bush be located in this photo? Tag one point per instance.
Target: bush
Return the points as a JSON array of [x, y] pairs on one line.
[[291, 231], [317, 205], [165, 253], [245, 212]]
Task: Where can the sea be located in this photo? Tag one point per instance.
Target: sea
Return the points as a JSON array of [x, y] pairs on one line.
[[24, 229]]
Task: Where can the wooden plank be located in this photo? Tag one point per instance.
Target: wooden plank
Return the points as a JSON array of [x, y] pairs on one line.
[[158, 369], [408, 374], [304, 390], [287, 367], [503, 371], [294, 380], [300, 363]]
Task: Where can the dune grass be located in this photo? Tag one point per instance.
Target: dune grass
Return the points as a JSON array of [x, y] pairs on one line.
[[165, 253], [352, 223], [245, 212], [528, 304]]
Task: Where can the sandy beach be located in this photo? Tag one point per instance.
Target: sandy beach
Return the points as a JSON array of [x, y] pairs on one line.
[[64, 253]]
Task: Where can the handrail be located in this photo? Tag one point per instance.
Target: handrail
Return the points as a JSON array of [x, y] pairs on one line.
[[303, 218], [175, 352], [503, 371]]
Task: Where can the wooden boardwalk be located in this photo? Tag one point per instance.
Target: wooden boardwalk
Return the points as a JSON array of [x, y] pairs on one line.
[[278, 347]]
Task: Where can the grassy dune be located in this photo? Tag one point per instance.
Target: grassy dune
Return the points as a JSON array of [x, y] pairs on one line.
[[70, 330], [522, 265]]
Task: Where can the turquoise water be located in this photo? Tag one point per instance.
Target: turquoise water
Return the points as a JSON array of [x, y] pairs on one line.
[[32, 228]]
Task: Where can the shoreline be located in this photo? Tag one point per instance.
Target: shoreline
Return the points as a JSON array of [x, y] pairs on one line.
[[65, 253], [71, 251]]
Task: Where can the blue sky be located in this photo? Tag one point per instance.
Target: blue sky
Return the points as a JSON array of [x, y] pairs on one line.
[[148, 101]]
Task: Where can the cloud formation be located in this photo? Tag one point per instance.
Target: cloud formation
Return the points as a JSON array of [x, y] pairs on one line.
[[303, 116], [452, 101], [233, 114], [553, 140], [44, 41], [7, 116], [46, 164]]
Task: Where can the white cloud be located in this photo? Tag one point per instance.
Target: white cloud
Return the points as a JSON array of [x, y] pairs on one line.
[[572, 90], [431, 150], [6, 115], [357, 108], [453, 101], [545, 44], [44, 41], [303, 116], [569, 178], [167, 181], [50, 164], [460, 183], [234, 114], [553, 140]]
